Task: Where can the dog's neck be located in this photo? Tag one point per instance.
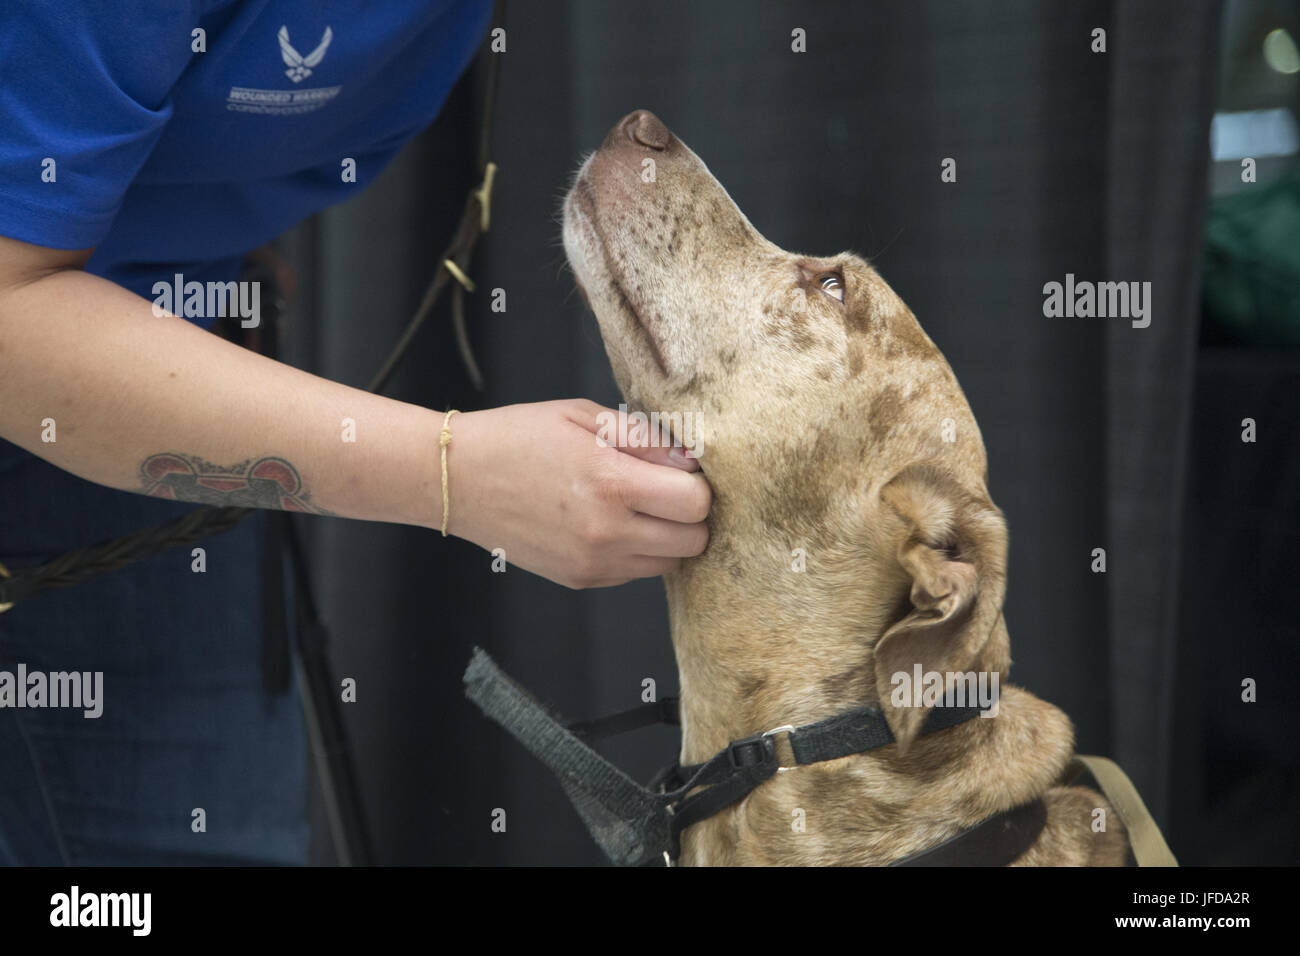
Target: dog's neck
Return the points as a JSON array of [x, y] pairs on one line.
[[766, 634], [761, 644]]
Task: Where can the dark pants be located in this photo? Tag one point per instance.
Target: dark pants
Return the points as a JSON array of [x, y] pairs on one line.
[[186, 722]]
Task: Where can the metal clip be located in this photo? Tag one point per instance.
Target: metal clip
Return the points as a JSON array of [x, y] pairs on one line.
[[783, 729]]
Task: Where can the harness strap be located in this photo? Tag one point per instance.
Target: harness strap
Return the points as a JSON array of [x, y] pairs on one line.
[[635, 825], [663, 711], [627, 821], [730, 788], [1144, 837], [997, 841]]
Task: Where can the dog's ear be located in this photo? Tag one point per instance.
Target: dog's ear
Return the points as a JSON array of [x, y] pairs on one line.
[[951, 548]]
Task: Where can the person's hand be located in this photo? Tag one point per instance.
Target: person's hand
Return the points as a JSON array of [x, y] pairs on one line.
[[537, 481]]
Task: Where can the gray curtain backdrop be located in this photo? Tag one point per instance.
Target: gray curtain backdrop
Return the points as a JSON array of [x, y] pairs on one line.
[[1157, 168], [1068, 161]]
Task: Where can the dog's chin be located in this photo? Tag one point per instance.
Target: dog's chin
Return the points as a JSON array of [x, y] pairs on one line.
[[621, 323]]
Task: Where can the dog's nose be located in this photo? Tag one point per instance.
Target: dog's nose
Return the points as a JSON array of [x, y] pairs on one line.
[[644, 129]]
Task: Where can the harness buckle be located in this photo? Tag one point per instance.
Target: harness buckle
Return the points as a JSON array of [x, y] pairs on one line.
[[751, 751], [783, 729]]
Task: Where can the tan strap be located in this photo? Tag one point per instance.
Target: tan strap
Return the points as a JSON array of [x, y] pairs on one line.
[[1149, 847]]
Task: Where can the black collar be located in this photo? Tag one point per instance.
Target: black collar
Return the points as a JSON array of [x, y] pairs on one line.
[[738, 769]]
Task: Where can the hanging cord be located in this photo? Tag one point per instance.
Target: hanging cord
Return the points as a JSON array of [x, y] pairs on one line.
[[76, 566], [454, 262]]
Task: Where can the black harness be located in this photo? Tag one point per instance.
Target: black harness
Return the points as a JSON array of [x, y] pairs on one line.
[[636, 825]]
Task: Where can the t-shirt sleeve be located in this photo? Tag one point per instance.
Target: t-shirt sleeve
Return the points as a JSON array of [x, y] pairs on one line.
[[84, 96]]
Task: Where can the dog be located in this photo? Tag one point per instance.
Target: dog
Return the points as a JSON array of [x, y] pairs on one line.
[[852, 536]]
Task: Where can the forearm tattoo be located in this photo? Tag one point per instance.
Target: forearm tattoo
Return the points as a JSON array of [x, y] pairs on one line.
[[254, 483]]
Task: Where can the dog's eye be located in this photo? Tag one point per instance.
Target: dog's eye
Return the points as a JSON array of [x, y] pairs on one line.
[[832, 285]]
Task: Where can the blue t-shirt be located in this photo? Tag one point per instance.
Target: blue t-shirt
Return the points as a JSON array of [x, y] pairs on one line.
[[116, 131]]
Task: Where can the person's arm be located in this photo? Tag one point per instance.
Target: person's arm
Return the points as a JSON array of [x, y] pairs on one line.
[[123, 386]]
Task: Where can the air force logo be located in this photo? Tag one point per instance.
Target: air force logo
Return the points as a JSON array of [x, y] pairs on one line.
[[299, 65], [296, 99]]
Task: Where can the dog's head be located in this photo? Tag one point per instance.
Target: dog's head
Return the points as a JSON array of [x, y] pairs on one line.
[[828, 421]]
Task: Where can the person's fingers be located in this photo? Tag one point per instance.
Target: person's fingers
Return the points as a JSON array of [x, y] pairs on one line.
[[666, 492], [660, 453], [643, 566], [638, 566], [585, 412], [660, 538], [631, 436]]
